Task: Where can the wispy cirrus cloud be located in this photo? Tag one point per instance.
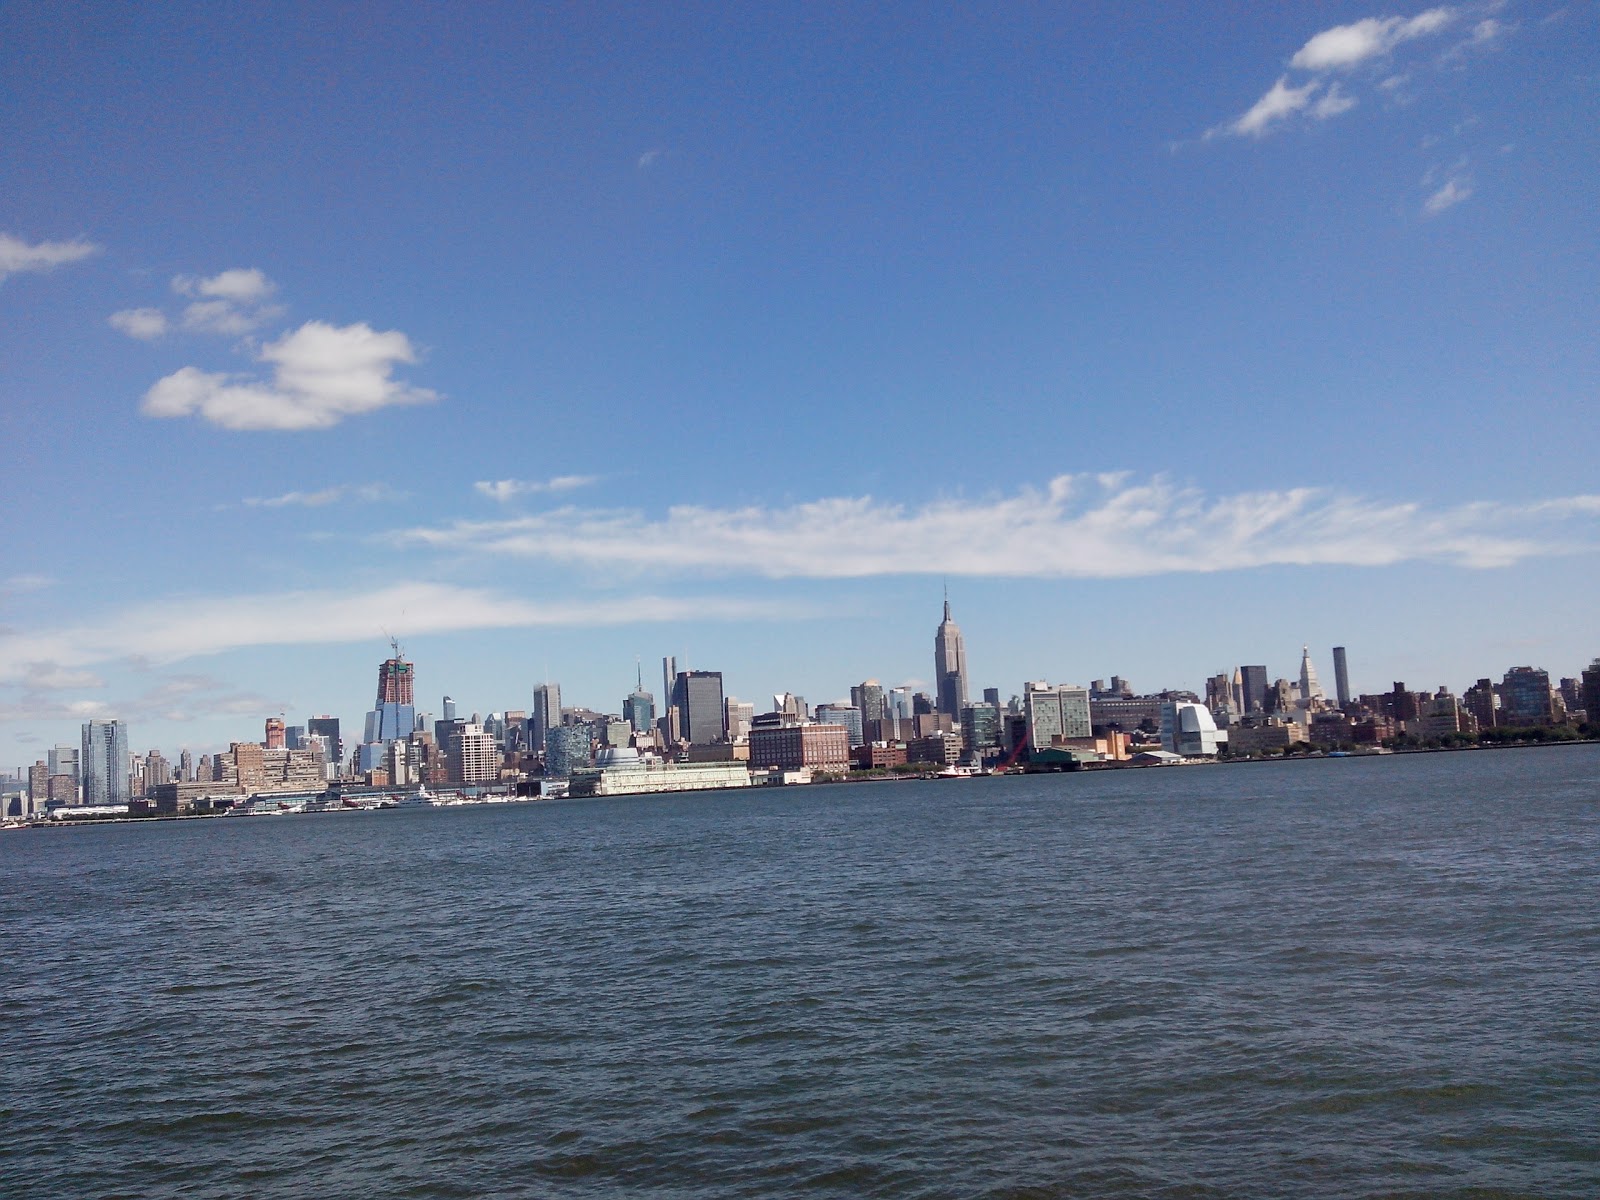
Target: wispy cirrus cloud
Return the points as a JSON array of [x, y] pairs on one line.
[[16, 585], [322, 374], [509, 489], [1312, 89], [1104, 526], [367, 493], [1450, 194], [179, 628], [184, 697], [17, 256]]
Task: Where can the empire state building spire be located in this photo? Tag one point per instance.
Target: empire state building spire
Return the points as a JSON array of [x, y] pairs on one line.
[[950, 664]]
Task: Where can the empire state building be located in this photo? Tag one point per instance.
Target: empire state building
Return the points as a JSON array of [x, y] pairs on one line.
[[950, 665]]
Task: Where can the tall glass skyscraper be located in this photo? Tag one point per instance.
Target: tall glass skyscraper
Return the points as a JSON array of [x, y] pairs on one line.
[[104, 763], [701, 713]]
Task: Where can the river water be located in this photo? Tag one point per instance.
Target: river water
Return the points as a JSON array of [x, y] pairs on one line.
[[1356, 977]]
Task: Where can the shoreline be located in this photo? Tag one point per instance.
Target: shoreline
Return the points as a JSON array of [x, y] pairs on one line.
[[908, 777]]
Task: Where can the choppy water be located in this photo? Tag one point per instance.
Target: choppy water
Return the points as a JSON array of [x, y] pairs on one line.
[[1344, 978]]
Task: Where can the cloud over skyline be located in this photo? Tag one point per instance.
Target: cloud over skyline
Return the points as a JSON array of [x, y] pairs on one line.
[[177, 628], [1082, 526]]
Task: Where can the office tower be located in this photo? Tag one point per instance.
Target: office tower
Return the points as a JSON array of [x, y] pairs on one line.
[[1055, 711], [1525, 697], [395, 680], [900, 703], [1341, 678], [1253, 682], [950, 665], [186, 767], [700, 710], [328, 727], [38, 785], [294, 737], [64, 760], [868, 698], [104, 763], [669, 681], [980, 726], [274, 734], [448, 709], [738, 718], [546, 712], [1219, 693], [1310, 690], [640, 706], [565, 747], [847, 715], [992, 696]]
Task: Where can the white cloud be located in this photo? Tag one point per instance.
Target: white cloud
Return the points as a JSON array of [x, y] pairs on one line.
[[1340, 49], [321, 374], [232, 303], [1451, 194], [509, 489], [1280, 103], [367, 492], [648, 159], [17, 255], [1076, 527], [1331, 103], [1347, 46], [146, 324], [241, 285], [176, 628]]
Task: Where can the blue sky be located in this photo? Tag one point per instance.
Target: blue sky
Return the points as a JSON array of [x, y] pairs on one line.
[[545, 338]]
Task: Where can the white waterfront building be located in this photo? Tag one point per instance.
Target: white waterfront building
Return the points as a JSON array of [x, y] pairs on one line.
[[619, 771]]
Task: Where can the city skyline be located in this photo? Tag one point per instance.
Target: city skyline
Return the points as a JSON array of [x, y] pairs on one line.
[[1172, 343]]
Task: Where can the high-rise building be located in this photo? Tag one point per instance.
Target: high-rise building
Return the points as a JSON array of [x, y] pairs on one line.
[[1310, 690], [1253, 683], [950, 665], [546, 712], [104, 763], [1525, 697], [899, 703], [1341, 678], [700, 708], [63, 760], [186, 767], [847, 715], [474, 756], [1055, 711], [395, 680], [740, 714], [274, 734], [328, 728], [565, 747], [640, 706], [868, 698], [447, 711], [980, 726], [1591, 692]]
